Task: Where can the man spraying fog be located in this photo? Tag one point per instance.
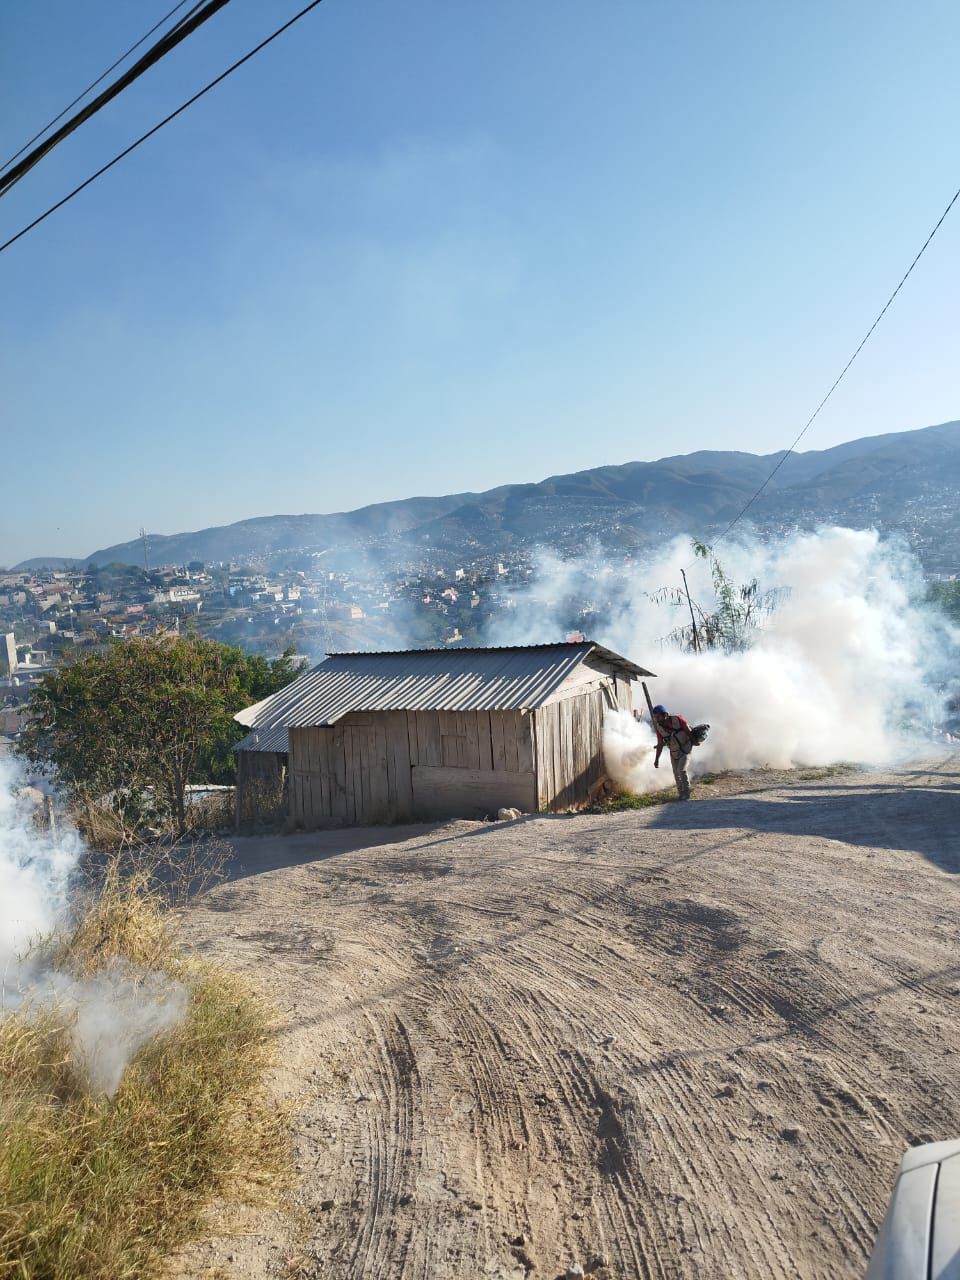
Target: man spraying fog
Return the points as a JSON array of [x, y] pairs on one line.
[[674, 733]]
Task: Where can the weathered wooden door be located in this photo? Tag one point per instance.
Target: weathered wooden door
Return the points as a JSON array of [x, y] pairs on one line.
[[362, 741]]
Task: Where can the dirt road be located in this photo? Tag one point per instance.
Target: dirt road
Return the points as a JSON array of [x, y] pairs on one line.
[[690, 1041]]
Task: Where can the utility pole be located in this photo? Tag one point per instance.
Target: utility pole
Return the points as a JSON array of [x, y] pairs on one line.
[[324, 621], [693, 620]]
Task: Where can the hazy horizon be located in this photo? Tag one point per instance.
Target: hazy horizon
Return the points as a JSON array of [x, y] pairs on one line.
[[67, 555]]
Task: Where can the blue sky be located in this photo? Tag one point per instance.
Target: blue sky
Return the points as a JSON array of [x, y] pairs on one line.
[[437, 246]]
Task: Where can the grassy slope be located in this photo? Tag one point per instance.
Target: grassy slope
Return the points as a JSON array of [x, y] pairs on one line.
[[91, 1187]]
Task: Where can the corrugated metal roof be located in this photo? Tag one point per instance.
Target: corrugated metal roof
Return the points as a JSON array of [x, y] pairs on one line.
[[274, 739], [493, 679]]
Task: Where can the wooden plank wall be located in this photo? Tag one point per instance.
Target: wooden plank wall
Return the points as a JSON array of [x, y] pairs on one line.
[[310, 778], [623, 693], [470, 761], [267, 766], [399, 785], [569, 748], [261, 782], [470, 793], [360, 770]]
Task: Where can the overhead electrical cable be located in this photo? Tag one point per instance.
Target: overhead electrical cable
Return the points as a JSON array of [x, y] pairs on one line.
[[90, 87], [157, 127], [746, 507], [186, 27]]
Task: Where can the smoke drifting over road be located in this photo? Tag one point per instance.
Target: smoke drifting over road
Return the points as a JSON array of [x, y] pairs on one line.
[[107, 1017], [851, 665]]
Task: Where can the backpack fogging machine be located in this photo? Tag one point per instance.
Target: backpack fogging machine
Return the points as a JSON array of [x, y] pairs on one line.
[[698, 732]]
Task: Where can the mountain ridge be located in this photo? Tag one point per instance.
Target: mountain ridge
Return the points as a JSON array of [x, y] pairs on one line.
[[696, 492]]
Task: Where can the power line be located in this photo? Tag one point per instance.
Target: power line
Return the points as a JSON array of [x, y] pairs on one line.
[[179, 32], [743, 511], [157, 127], [80, 96]]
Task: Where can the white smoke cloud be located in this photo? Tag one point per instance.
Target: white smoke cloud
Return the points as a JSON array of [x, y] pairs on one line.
[[109, 1016], [628, 754], [851, 666], [35, 870]]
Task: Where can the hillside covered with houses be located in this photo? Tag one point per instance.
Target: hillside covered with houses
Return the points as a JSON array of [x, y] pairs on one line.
[[48, 616]]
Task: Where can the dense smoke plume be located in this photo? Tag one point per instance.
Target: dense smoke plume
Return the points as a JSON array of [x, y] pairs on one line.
[[851, 665], [107, 1017], [35, 871]]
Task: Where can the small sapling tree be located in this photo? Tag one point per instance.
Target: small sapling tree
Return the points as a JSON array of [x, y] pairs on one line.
[[730, 622]]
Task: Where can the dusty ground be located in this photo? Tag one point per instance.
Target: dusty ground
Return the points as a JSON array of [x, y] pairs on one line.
[[688, 1041]]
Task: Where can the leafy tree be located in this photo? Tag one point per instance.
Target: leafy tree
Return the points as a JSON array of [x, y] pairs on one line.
[[259, 677], [146, 714]]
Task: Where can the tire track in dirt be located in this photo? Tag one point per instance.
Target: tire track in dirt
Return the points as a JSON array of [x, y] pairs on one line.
[[793, 994], [657, 1043], [390, 1150]]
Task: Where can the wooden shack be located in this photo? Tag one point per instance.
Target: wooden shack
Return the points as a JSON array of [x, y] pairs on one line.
[[262, 776], [426, 733]]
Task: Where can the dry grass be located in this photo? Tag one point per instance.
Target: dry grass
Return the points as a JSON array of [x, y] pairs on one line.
[[825, 771], [91, 1187], [109, 828], [101, 826]]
